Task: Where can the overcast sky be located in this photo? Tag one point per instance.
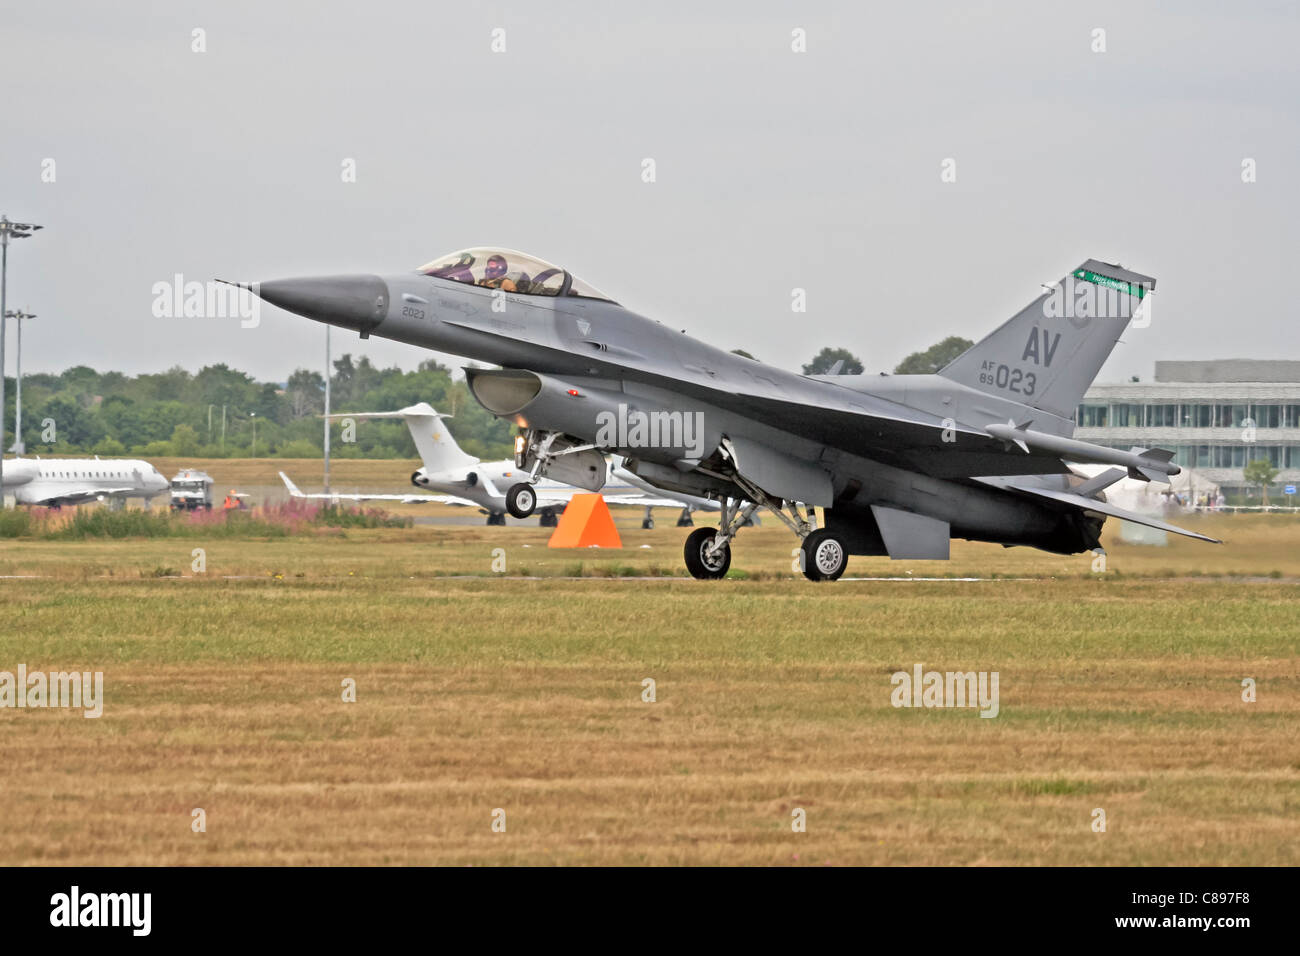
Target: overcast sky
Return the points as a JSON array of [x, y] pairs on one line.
[[775, 170]]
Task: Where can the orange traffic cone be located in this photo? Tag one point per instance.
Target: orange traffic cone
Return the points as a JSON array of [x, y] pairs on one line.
[[586, 522]]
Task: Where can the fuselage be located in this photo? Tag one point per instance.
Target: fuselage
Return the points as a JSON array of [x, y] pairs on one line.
[[485, 484], [55, 481]]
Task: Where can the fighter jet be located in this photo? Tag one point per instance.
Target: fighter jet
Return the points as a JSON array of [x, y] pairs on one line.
[[898, 465], [461, 479]]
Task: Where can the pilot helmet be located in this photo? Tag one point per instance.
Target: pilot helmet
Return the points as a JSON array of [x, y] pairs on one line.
[[496, 267]]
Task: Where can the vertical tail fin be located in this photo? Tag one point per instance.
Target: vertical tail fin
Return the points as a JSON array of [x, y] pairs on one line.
[[433, 441], [1048, 353]]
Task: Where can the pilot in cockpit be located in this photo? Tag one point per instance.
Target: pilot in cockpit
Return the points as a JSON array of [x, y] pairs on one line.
[[495, 277]]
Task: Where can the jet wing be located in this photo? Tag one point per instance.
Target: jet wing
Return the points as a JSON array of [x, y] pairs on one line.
[[1072, 500], [404, 499], [412, 499], [865, 425], [89, 494]]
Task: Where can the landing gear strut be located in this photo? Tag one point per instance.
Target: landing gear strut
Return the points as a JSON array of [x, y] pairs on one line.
[[648, 522]]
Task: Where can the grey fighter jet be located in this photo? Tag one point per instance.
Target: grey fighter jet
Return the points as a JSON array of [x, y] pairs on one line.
[[898, 465]]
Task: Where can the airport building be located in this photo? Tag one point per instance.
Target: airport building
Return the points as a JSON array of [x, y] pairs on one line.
[[1215, 415]]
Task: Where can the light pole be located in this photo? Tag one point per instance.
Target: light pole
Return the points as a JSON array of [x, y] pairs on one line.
[[253, 418], [8, 230], [19, 447], [327, 409]]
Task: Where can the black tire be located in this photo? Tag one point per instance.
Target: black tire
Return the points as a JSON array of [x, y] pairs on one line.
[[701, 568], [684, 520], [647, 524], [548, 519], [824, 556], [496, 519], [521, 499]]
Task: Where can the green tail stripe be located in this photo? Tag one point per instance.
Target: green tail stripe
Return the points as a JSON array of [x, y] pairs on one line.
[[1132, 288]]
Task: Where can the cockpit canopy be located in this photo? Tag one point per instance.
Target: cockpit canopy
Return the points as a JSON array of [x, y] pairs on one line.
[[511, 271]]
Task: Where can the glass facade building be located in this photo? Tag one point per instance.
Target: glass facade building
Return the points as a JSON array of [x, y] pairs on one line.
[[1216, 416]]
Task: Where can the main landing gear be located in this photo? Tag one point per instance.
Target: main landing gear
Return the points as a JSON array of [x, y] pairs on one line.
[[707, 559], [823, 555]]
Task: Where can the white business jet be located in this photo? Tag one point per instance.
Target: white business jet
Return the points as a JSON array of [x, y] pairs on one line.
[[459, 478]]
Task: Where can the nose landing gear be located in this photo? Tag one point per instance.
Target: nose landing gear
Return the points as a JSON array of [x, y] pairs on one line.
[[521, 499]]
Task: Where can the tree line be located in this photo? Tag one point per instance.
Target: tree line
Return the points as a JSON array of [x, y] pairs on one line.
[[221, 412]]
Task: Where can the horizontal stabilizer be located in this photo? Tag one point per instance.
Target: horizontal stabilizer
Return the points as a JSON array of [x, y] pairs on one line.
[[1075, 500], [1099, 482], [419, 410]]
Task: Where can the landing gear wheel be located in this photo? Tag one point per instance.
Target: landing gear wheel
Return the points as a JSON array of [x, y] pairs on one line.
[[521, 499], [684, 520], [824, 556], [648, 524], [703, 564], [548, 519], [496, 519]]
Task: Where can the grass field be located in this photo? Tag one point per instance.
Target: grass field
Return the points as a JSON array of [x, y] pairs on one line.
[[523, 691]]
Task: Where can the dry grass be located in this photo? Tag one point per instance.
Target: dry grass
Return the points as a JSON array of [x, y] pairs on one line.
[[307, 472], [1120, 691]]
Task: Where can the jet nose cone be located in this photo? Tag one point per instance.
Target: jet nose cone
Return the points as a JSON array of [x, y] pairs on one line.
[[357, 302]]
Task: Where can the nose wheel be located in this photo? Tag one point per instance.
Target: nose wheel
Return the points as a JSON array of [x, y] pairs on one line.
[[521, 499]]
